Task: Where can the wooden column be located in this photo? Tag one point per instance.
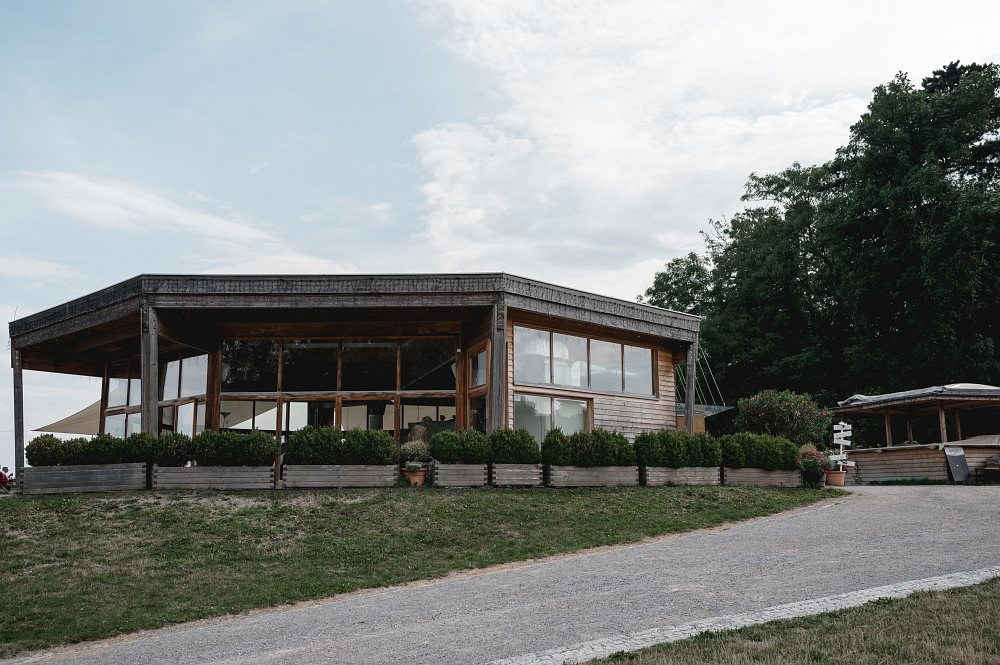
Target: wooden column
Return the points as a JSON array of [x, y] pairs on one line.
[[692, 385], [496, 413], [958, 427], [909, 432], [15, 358], [943, 424], [213, 388], [888, 428], [150, 369]]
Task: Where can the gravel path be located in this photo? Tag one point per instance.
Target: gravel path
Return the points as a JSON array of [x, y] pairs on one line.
[[879, 536]]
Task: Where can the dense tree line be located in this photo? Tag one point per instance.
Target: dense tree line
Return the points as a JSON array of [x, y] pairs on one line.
[[878, 270]]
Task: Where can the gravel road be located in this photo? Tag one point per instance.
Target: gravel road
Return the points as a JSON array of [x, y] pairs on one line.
[[877, 536]]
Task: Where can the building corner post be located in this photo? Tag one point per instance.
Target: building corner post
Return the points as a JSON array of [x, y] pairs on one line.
[[692, 385], [498, 367], [150, 370], [15, 356]]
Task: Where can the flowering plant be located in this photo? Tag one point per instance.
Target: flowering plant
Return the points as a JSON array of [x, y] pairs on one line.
[[815, 462]]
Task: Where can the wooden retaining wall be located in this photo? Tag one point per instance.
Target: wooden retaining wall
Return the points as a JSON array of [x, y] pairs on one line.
[[920, 462], [762, 477], [213, 477], [688, 475], [83, 478], [339, 475], [593, 476], [458, 475], [517, 475]]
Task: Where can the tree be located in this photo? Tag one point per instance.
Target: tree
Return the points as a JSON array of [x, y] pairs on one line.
[[682, 285]]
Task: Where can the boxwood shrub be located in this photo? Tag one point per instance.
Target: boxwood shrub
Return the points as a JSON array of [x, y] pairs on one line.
[[468, 446], [48, 450], [595, 448], [676, 449], [172, 449], [513, 446], [760, 451], [332, 445], [255, 448]]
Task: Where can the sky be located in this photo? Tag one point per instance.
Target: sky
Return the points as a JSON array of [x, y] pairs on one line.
[[581, 143]]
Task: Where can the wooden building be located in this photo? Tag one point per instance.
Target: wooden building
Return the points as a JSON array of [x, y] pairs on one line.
[[188, 352]]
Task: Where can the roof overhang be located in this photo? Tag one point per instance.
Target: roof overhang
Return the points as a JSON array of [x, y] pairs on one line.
[[949, 397]]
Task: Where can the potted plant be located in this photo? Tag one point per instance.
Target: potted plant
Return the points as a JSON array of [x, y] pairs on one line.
[[515, 458], [331, 457], [415, 456], [812, 464], [589, 459], [678, 458], [459, 459], [103, 464], [836, 474], [225, 461]]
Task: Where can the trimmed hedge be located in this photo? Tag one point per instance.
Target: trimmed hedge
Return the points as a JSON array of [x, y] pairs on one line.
[[49, 450], [468, 446], [255, 448], [759, 451], [595, 448], [331, 445], [172, 449], [676, 449], [513, 446]]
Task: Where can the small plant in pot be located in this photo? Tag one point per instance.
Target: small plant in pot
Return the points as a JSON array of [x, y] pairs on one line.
[[415, 456], [812, 464]]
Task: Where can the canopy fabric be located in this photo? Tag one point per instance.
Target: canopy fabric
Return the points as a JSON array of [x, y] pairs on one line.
[[86, 421]]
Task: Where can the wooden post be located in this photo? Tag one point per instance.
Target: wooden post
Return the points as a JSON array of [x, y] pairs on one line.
[[213, 389], [18, 414], [888, 428], [958, 427], [498, 367], [692, 385], [943, 424], [149, 343], [909, 432]]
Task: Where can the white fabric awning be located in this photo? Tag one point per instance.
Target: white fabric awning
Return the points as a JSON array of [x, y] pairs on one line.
[[86, 421]]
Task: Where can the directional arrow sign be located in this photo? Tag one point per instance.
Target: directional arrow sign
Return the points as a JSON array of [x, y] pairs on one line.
[[838, 458]]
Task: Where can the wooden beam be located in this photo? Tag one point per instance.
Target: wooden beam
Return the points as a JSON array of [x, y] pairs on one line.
[[214, 387], [692, 385], [150, 370], [958, 426], [909, 432], [943, 425], [888, 429], [498, 368], [18, 414]]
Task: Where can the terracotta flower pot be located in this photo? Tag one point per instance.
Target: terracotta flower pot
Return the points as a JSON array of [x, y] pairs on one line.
[[835, 478], [416, 478]]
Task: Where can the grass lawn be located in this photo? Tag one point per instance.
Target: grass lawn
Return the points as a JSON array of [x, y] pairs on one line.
[[959, 627], [87, 566]]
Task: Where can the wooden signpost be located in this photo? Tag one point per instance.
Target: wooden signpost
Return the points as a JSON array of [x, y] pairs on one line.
[[841, 434]]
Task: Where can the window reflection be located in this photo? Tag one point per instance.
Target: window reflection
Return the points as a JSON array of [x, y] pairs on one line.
[[245, 415], [194, 376], [531, 355], [605, 366], [369, 366], [427, 364], [249, 366], [533, 413], [309, 365], [638, 370], [424, 417], [569, 360], [368, 414]]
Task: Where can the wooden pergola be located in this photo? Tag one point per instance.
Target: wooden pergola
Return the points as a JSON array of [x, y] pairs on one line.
[[941, 400]]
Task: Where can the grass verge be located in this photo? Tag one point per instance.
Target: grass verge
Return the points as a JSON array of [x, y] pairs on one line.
[[958, 627], [81, 567]]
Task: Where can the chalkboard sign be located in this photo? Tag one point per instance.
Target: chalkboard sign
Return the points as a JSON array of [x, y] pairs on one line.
[[958, 467]]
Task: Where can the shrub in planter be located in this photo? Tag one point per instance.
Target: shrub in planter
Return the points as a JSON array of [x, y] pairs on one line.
[[556, 450], [44, 450], [172, 449], [509, 446], [677, 449], [785, 414], [375, 447], [759, 451], [595, 448], [468, 446], [733, 455], [311, 445], [255, 448]]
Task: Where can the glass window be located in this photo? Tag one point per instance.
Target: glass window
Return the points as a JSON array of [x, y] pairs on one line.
[[133, 423], [369, 366], [249, 366], [369, 414], [115, 425], [117, 385], [316, 414], [477, 413], [185, 418], [199, 418], [167, 419], [638, 370], [194, 376], [171, 375], [427, 364], [477, 369], [533, 413], [605, 366], [569, 360], [309, 365], [426, 416], [531, 355], [570, 415], [247, 415], [134, 391]]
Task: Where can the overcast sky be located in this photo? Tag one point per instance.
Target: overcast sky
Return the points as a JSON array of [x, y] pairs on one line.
[[583, 143]]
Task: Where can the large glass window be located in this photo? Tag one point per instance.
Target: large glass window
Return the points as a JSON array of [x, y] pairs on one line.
[[426, 416], [115, 425], [569, 360], [297, 415], [477, 369], [124, 385], [309, 365], [531, 355], [249, 366], [171, 377], [569, 415], [369, 366], [194, 376], [533, 413], [133, 423], [477, 413], [186, 418], [247, 415], [368, 414], [427, 364], [638, 370], [605, 366]]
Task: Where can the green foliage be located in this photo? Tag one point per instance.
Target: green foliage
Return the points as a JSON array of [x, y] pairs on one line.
[[598, 447], [468, 446], [786, 414], [254, 448], [369, 447], [415, 452], [47, 450], [676, 449], [172, 449], [509, 446], [759, 451], [683, 284], [44, 450], [331, 445]]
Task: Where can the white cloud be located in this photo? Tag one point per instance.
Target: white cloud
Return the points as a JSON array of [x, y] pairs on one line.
[[28, 268], [625, 126]]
